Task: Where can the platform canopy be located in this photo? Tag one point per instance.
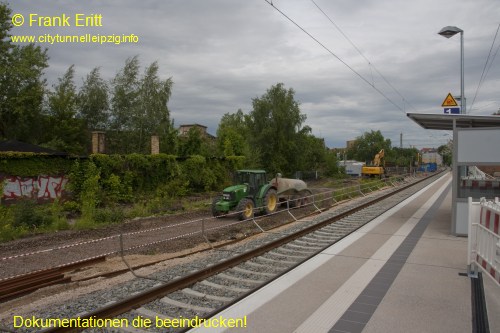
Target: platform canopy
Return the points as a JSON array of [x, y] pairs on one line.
[[475, 142], [445, 121]]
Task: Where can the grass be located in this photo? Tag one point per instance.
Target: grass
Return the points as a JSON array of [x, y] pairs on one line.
[[27, 218]]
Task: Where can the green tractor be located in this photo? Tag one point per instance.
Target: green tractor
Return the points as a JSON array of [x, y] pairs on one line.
[[251, 191]]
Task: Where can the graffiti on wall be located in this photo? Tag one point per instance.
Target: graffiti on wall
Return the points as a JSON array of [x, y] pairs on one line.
[[41, 188]]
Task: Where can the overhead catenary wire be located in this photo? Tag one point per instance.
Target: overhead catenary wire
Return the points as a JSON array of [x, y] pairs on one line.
[[335, 55], [486, 68], [362, 55], [485, 106]]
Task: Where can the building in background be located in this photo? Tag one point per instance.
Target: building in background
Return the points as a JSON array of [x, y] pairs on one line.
[[431, 155], [184, 130]]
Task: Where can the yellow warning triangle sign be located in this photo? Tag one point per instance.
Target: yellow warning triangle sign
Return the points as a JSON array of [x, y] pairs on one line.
[[449, 101]]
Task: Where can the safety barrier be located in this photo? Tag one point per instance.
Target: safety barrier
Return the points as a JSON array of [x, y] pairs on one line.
[[481, 184], [147, 239], [484, 238]]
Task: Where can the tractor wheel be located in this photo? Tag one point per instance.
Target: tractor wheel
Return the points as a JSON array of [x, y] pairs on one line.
[[245, 209], [215, 212], [270, 201]]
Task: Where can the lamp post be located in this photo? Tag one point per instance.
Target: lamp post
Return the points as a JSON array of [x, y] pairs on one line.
[[452, 31]]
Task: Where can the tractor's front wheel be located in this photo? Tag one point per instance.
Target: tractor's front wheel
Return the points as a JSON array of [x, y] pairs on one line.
[[245, 209], [270, 201], [215, 212]]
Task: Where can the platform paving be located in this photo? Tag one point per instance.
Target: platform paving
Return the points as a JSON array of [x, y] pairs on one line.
[[399, 273]]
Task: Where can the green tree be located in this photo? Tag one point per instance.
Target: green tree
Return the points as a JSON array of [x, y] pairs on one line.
[[446, 152], [313, 155], [402, 156], [5, 26], [368, 145], [139, 109], [274, 126], [67, 132], [232, 134], [93, 101], [191, 144], [21, 85], [331, 168], [124, 104], [152, 116], [125, 98]]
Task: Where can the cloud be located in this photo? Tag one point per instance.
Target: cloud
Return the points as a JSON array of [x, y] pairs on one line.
[[221, 54]]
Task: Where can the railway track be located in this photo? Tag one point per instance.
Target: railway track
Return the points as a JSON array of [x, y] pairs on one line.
[[57, 253], [202, 289], [26, 283]]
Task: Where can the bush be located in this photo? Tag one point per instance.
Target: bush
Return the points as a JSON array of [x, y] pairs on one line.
[[26, 214], [7, 230], [174, 189], [90, 192], [109, 215], [97, 187], [71, 207], [32, 164], [56, 212], [203, 175], [167, 195], [116, 190]]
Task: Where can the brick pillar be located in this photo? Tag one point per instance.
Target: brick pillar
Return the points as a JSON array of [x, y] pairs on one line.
[[155, 145], [98, 140]]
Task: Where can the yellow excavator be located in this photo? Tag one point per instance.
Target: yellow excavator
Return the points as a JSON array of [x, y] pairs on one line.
[[376, 169]]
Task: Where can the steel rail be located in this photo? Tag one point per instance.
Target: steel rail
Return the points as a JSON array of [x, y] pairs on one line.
[[137, 246], [135, 301], [26, 283]]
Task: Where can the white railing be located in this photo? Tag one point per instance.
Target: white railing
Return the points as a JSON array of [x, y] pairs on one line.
[[484, 238]]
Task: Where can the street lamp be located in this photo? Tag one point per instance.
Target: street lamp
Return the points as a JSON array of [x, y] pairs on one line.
[[452, 31]]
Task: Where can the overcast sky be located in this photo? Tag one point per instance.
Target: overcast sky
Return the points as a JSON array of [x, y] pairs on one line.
[[223, 53]]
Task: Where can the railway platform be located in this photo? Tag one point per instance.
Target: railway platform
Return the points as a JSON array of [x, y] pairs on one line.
[[402, 272]]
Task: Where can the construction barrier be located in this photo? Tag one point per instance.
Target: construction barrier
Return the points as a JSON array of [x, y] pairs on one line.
[[484, 238], [481, 184]]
